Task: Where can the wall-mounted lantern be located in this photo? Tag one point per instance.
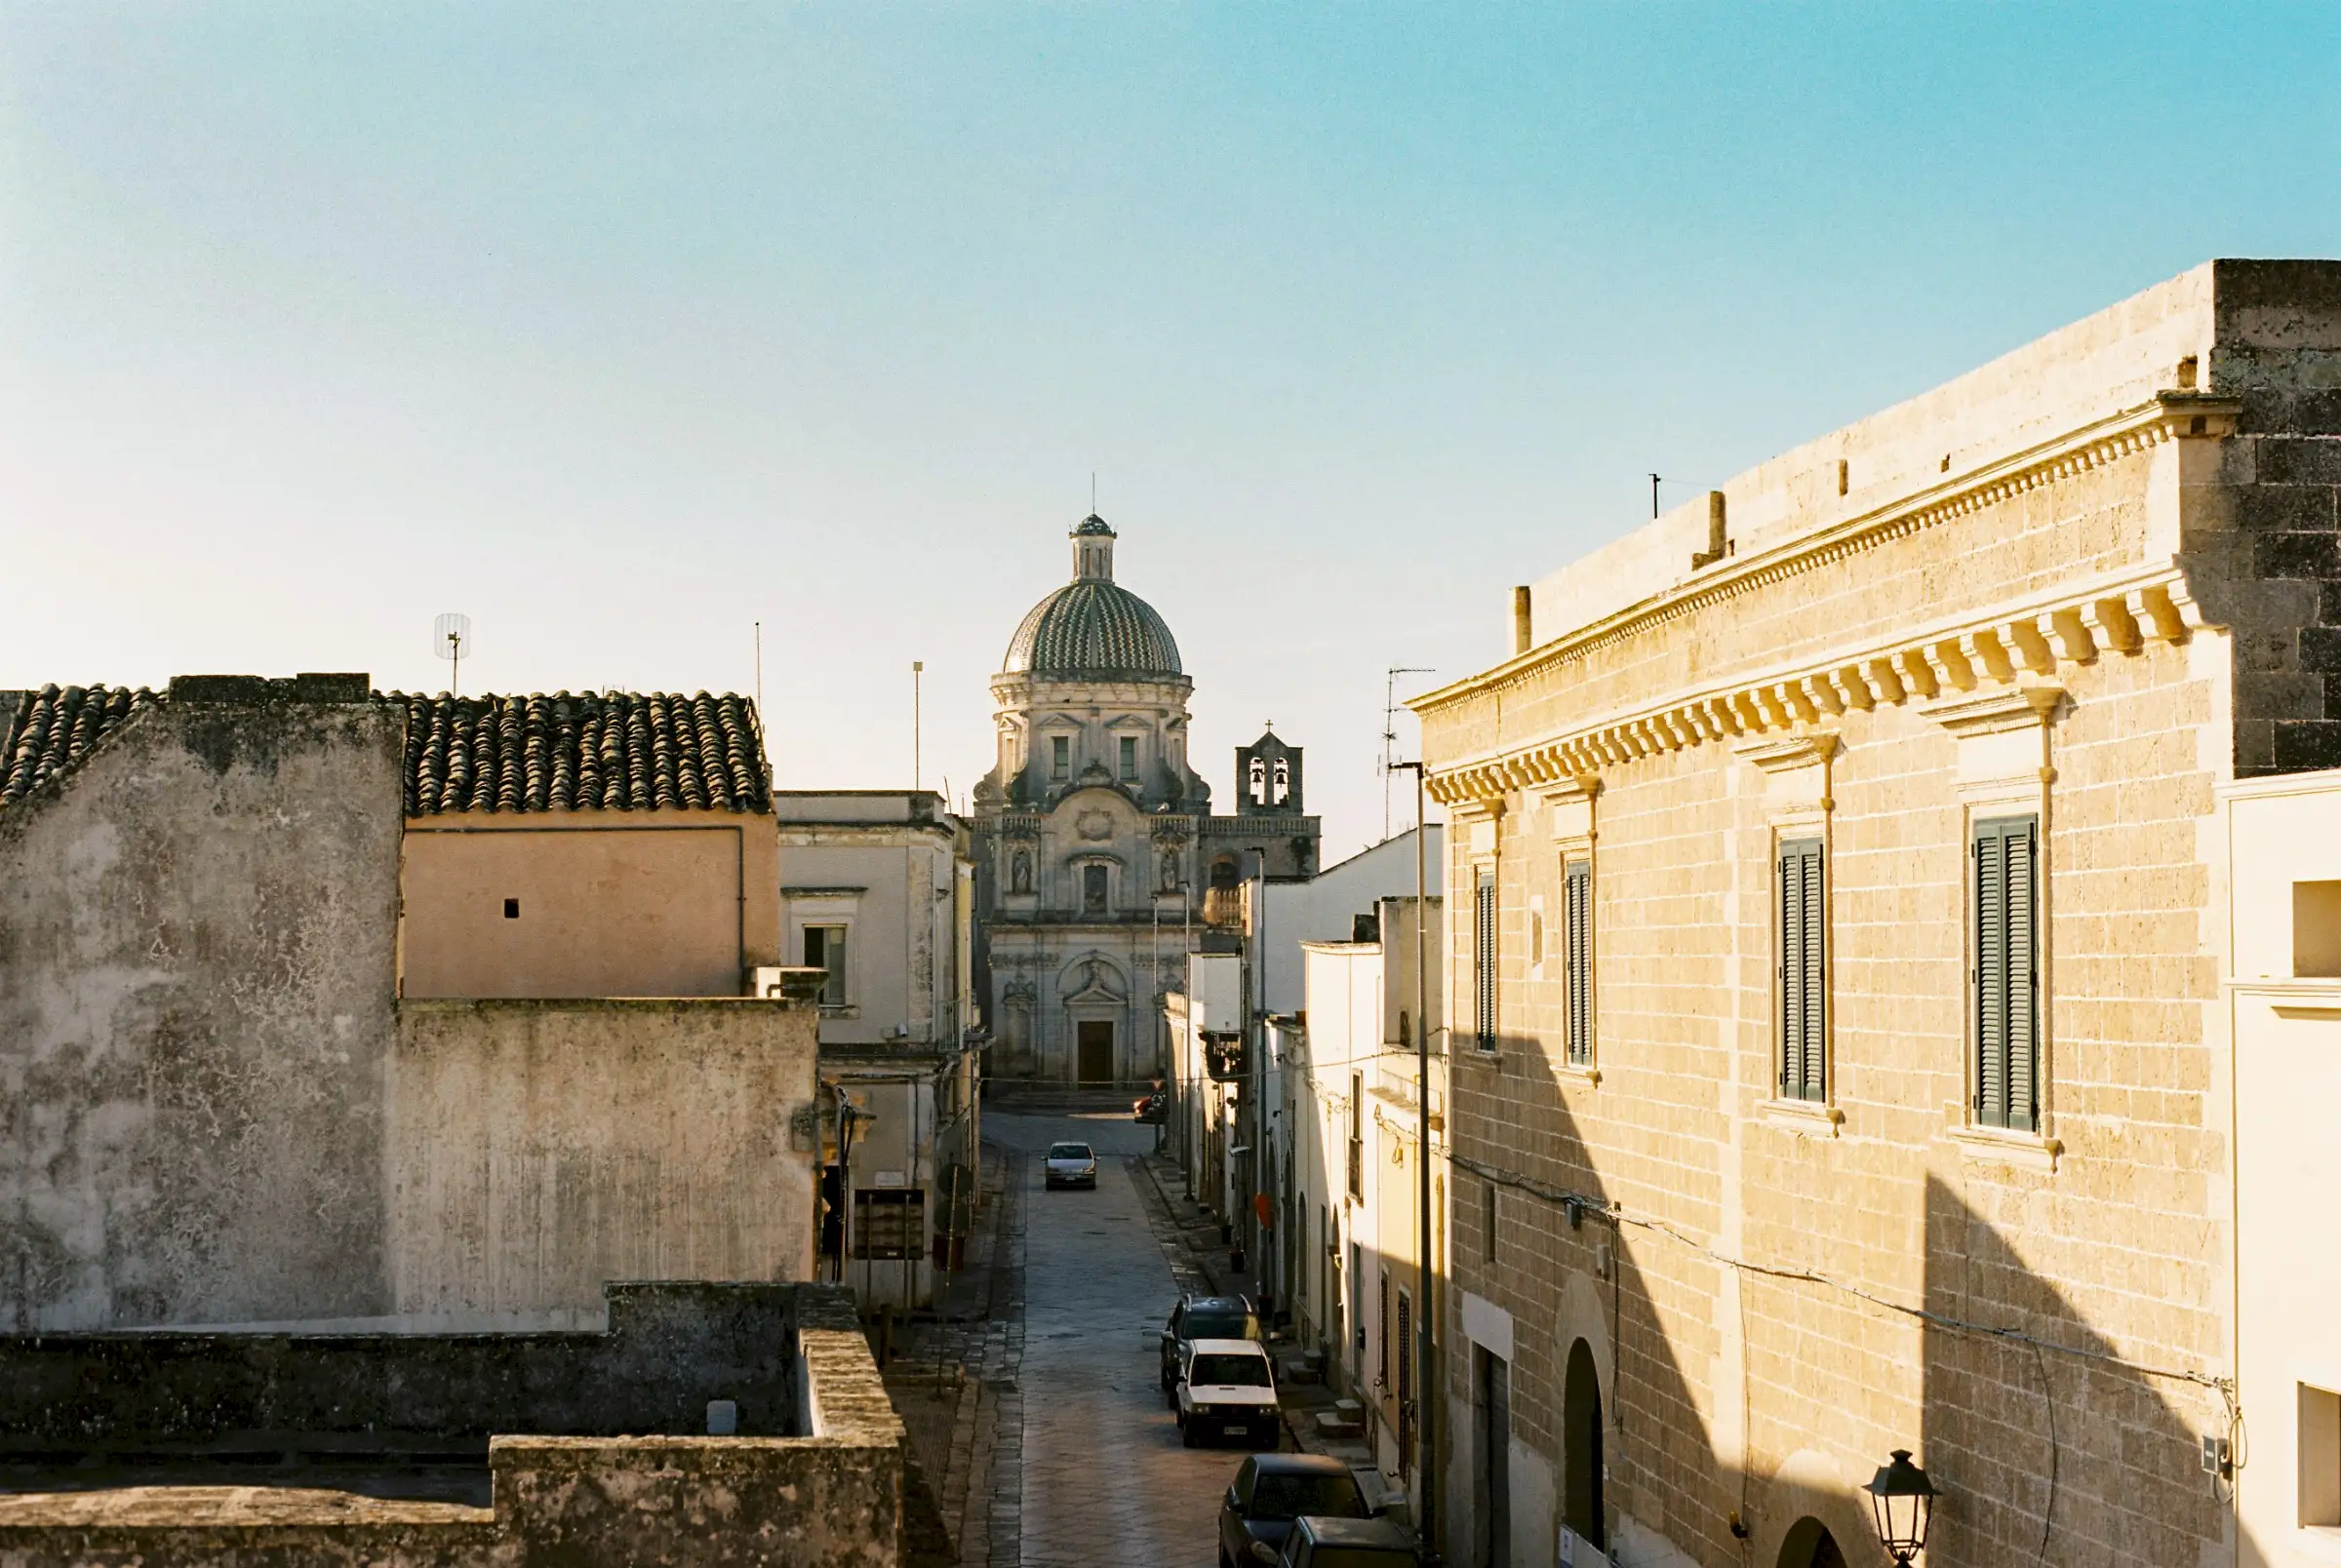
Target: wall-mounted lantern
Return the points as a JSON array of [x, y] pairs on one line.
[[1903, 1500]]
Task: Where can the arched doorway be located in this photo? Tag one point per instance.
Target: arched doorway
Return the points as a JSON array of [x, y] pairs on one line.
[[1581, 1504], [1810, 1545]]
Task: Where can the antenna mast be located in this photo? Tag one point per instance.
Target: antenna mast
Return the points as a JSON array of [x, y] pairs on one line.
[[916, 773], [1390, 730], [451, 635]]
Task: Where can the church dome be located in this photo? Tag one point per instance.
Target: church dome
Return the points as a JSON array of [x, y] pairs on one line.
[[1093, 627]]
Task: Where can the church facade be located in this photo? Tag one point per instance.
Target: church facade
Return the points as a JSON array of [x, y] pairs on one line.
[[1096, 846]]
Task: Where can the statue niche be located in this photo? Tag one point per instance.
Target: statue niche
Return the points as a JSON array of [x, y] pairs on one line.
[[1020, 875]]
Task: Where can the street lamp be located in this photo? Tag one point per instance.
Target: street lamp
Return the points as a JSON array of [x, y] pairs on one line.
[[1903, 1499]]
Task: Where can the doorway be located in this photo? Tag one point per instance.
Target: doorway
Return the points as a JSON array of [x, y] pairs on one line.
[[1094, 1044], [1810, 1545], [1582, 1508], [1492, 1482]]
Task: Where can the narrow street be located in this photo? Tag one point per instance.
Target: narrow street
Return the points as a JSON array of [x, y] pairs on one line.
[[1104, 1475]]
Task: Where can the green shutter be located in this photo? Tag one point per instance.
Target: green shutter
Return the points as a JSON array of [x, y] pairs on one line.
[[2007, 975], [1484, 959], [1576, 943], [1802, 972]]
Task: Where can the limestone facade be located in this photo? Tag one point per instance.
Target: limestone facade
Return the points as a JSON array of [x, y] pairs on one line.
[[2066, 596], [1096, 846]]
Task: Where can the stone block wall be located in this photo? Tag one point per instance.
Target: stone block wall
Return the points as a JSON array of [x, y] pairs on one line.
[[1780, 1294]]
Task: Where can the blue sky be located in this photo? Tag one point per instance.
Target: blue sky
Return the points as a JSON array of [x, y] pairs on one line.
[[621, 328]]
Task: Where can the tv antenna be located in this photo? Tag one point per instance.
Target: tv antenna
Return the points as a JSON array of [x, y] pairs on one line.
[[450, 640], [1390, 731]]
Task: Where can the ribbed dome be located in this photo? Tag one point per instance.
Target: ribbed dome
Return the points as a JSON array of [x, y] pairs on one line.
[[1093, 627]]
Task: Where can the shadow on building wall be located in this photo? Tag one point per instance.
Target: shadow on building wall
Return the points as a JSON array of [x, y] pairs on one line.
[[2047, 1443]]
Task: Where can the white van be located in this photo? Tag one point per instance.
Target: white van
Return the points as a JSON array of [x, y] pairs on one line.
[[1227, 1389]]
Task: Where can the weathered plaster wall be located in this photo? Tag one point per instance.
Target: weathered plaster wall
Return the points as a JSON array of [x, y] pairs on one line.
[[196, 965], [628, 904], [538, 1149]]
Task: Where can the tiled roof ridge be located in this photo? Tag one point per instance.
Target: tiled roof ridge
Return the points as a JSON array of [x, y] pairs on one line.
[[583, 750], [51, 730]]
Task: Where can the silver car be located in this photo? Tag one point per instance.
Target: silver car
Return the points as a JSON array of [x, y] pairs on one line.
[[1069, 1164]]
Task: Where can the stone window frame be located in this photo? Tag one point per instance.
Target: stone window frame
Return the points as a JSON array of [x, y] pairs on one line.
[[1572, 832], [1475, 830], [830, 911], [2005, 739], [1798, 804]]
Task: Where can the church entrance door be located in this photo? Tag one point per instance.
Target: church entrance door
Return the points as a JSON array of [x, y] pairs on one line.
[[1096, 1052]]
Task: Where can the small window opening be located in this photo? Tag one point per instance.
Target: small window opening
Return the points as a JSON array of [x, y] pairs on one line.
[[2188, 369], [2315, 931], [1060, 756], [1487, 1218], [1129, 756], [2320, 1459], [1843, 475], [511, 908]]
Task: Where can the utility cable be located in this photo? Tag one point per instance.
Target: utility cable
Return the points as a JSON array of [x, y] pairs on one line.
[[1615, 1214]]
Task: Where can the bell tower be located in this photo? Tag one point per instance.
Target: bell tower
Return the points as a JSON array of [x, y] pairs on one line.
[[1268, 778]]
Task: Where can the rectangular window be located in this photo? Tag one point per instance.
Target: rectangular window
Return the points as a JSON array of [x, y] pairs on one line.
[[1129, 756], [2006, 972], [889, 1223], [2320, 1458], [1801, 970], [1381, 1337], [1060, 756], [825, 949], [1482, 958], [1405, 1380], [1356, 1136], [1487, 1217], [1576, 959]]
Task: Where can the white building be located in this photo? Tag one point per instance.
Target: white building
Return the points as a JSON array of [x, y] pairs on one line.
[[2285, 986], [1352, 1249], [876, 889], [1327, 907]]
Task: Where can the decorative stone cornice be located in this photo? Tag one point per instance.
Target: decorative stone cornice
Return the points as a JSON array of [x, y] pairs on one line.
[[1992, 660], [1781, 754], [1997, 711], [2171, 415]]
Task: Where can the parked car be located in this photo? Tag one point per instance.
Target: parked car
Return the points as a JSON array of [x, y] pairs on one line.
[[1069, 1164], [1347, 1542], [1226, 1389], [1151, 1109], [1272, 1490], [1204, 1317]]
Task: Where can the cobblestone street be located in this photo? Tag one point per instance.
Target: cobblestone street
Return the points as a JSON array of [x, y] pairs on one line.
[[1103, 1475]]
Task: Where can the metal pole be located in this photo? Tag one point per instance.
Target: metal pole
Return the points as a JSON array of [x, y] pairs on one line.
[[917, 775], [1427, 1449]]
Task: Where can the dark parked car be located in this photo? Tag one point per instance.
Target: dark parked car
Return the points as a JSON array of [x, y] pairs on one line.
[[1204, 1317], [1272, 1490], [1315, 1543]]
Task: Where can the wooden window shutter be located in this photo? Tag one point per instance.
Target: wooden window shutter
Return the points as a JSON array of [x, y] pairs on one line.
[[1483, 958], [2006, 973], [1801, 970], [1577, 955]]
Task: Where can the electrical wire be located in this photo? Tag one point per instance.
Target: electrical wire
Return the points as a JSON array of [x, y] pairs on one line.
[[1617, 1217]]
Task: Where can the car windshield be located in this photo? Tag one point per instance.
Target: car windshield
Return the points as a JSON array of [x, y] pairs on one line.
[[1288, 1497], [1222, 1325], [1230, 1371], [1067, 1151], [1361, 1557]]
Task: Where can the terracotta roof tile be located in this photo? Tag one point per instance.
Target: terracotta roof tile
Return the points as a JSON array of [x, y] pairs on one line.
[[49, 732], [585, 751]]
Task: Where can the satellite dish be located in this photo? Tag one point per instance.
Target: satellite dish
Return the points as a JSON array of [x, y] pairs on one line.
[[450, 640]]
